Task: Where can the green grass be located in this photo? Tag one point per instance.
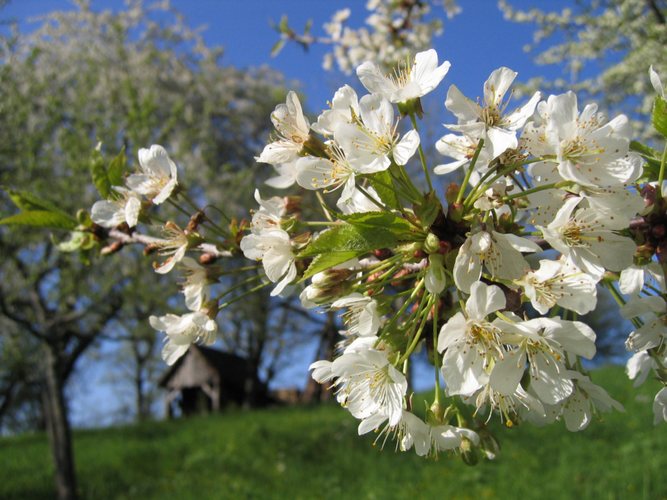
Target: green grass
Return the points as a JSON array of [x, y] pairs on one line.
[[307, 453]]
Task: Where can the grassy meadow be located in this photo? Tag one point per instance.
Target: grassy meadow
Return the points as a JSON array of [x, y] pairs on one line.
[[313, 453]]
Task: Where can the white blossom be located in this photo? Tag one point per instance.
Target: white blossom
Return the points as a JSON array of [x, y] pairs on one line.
[[499, 253], [408, 81], [471, 343], [588, 238], [488, 121], [639, 366], [362, 317], [196, 288], [273, 247], [182, 331], [158, 177], [111, 213], [292, 129], [660, 407], [559, 283]]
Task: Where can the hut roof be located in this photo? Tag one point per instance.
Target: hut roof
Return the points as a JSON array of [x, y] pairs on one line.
[[226, 365]]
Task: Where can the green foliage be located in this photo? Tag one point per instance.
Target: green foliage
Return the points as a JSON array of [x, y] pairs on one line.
[[315, 453], [104, 178], [325, 261], [98, 172], [116, 168], [428, 210], [40, 218], [382, 182], [361, 234], [651, 168], [603, 47], [659, 116], [27, 201], [37, 212]]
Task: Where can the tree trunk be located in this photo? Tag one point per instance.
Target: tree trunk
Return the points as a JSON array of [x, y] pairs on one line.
[[142, 410], [58, 429]]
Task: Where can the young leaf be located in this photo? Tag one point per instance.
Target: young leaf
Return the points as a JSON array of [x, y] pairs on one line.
[[428, 210], [660, 115], [383, 185], [41, 218], [116, 168], [99, 174], [362, 234], [383, 222], [327, 261], [25, 201]]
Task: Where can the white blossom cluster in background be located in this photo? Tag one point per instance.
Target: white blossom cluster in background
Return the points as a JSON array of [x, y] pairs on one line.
[[394, 31], [443, 272]]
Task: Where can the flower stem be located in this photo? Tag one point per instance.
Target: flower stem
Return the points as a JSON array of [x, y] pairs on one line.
[[661, 174], [425, 306], [239, 285], [422, 158], [243, 295], [527, 192], [471, 167], [436, 362]]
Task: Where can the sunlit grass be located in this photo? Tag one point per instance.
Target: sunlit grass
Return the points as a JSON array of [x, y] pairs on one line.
[[315, 453]]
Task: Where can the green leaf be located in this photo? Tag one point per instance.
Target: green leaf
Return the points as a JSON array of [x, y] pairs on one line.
[[99, 174], [428, 210], [384, 223], [362, 233], [327, 261], [651, 169], [117, 168], [26, 201], [644, 150], [383, 184], [660, 115], [41, 218]]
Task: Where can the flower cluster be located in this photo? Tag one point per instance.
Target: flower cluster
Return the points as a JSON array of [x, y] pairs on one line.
[[392, 32], [488, 277]]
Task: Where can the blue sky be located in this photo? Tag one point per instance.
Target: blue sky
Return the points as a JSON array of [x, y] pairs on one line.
[[475, 42]]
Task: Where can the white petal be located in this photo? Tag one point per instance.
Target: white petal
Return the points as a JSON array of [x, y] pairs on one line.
[[406, 148], [484, 300], [497, 84]]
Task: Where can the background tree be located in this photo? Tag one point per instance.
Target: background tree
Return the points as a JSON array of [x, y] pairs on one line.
[[604, 48], [127, 79]]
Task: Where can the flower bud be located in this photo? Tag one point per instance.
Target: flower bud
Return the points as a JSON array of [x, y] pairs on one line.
[[445, 247], [431, 243], [452, 192], [150, 248], [194, 221], [82, 216], [112, 248], [456, 212], [382, 253], [207, 258], [468, 452]]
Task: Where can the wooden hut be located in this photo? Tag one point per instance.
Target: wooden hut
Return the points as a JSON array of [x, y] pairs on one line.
[[204, 380]]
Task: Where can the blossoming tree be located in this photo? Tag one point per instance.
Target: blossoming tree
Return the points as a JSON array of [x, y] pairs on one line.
[[411, 269]]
